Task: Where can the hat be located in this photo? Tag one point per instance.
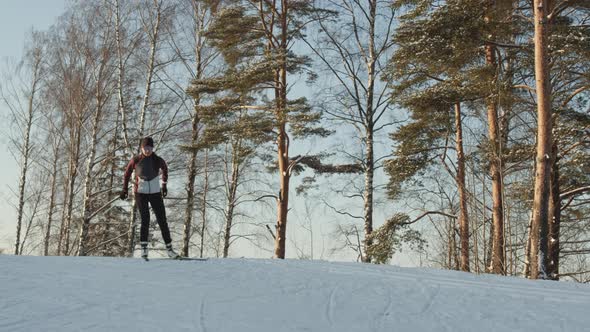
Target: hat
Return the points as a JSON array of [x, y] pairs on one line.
[[147, 141]]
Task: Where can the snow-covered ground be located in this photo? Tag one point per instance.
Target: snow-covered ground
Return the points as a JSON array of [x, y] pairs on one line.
[[124, 294]]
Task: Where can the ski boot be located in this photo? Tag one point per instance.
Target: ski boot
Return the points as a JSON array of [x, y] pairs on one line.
[[144, 251], [171, 253]]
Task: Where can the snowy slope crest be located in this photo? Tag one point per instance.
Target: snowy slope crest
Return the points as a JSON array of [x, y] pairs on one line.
[[119, 294]]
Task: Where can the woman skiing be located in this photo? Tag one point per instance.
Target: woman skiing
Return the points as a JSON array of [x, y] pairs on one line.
[[147, 190]]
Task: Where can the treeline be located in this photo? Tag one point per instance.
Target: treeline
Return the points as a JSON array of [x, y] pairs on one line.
[[468, 119]]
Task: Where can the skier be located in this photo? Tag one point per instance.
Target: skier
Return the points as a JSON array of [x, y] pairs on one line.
[[147, 189]]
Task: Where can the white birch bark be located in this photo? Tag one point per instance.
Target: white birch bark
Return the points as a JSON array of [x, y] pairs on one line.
[[143, 111], [232, 183], [52, 204], [369, 100], [121, 77], [199, 13], [26, 150], [96, 121], [204, 205]]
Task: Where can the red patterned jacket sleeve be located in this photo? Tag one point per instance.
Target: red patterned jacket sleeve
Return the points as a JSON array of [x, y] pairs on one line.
[[164, 168]]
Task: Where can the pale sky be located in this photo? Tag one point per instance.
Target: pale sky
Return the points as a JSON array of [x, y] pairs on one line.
[[17, 18]]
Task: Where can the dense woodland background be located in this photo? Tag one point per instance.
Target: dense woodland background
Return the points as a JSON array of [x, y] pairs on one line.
[[469, 119]]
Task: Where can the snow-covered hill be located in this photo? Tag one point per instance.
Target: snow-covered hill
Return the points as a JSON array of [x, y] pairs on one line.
[[237, 295]]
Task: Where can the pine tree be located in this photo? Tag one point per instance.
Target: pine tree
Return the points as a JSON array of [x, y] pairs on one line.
[[459, 35], [436, 68], [569, 52], [255, 39]]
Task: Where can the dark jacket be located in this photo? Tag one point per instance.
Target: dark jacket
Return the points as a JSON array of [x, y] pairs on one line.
[[147, 171]]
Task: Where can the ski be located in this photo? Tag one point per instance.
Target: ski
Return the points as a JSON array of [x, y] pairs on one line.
[[180, 258]]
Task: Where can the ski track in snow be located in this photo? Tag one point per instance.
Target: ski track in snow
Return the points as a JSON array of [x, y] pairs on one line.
[[429, 300], [202, 316], [121, 294], [330, 305], [553, 294]]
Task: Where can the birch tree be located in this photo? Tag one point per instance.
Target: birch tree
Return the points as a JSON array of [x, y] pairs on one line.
[[353, 46], [495, 10], [68, 89], [194, 53], [434, 90], [24, 115], [151, 26], [550, 102], [101, 55], [461, 187], [56, 142]]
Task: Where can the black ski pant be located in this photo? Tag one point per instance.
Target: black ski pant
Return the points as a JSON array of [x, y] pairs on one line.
[[157, 203]]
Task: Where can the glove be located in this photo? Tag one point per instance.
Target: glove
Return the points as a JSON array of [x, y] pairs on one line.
[[164, 190], [123, 195]]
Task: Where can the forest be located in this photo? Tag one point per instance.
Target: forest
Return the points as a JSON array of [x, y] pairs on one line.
[[453, 132]]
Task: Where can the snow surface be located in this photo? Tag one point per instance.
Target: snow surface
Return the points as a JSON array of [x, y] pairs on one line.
[[125, 294]]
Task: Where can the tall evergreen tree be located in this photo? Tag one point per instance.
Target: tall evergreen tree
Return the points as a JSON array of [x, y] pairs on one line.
[[487, 52], [437, 66], [256, 40], [561, 55]]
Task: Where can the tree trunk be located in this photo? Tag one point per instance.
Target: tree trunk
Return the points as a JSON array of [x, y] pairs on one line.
[[190, 189], [544, 139], [150, 69], [143, 111], [485, 251], [51, 199], [552, 258], [369, 127], [367, 99], [25, 152], [474, 226], [228, 226], [456, 259], [204, 204], [509, 236], [83, 234], [192, 168], [505, 117], [21, 190], [120, 77], [283, 139], [489, 248], [452, 252], [123, 112], [62, 226], [368, 195], [107, 228], [71, 183], [498, 258], [23, 181], [463, 215], [231, 197], [31, 219], [527, 252], [283, 199]]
